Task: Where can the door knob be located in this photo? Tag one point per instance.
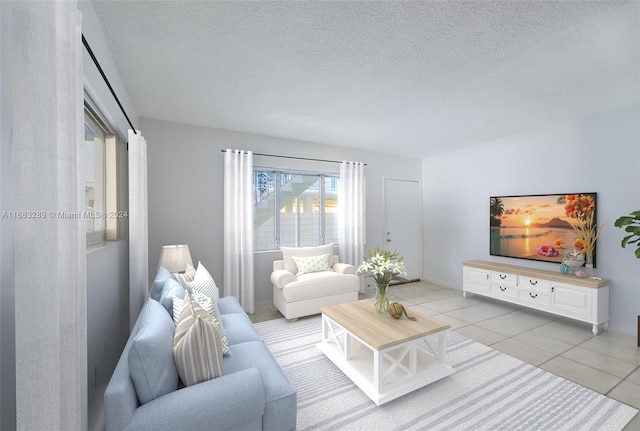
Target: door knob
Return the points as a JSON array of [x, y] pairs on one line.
[[388, 240]]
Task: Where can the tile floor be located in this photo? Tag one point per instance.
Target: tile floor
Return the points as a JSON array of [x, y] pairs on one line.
[[608, 363]]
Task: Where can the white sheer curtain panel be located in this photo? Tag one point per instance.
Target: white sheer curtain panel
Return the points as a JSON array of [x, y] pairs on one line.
[[138, 224], [351, 220], [49, 247], [238, 227]]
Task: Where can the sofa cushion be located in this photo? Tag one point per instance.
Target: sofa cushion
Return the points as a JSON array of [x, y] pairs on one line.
[[209, 306], [158, 283], [310, 264], [197, 347], [171, 288], [320, 284], [229, 304], [239, 329], [289, 252], [280, 395], [151, 365]]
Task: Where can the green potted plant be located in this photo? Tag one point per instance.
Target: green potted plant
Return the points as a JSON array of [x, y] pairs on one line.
[[631, 225]]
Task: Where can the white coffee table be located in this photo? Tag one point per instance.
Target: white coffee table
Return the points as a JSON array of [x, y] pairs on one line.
[[386, 358]]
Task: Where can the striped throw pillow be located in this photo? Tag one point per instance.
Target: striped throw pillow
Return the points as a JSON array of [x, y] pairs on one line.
[[209, 306], [197, 345], [186, 276], [203, 283]]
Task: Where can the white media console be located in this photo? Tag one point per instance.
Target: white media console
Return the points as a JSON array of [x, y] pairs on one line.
[[584, 299]]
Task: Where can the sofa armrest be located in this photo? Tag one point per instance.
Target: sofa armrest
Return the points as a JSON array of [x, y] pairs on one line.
[[222, 403], [344, 268], [281, 278]]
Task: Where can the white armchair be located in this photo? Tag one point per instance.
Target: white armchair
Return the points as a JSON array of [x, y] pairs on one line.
[[308, 278]]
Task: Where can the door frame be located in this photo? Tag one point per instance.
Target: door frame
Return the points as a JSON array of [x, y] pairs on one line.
[[420, 211]]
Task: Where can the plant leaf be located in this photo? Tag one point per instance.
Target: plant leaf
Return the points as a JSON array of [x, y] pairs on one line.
[[625, 240], [623, 221]]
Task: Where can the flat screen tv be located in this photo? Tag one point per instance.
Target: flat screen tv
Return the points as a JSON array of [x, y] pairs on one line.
[[539, 227]]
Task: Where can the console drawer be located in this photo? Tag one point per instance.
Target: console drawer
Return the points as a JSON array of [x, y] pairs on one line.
[[504, 278], [534, 297], [502, 289], [537, 284]]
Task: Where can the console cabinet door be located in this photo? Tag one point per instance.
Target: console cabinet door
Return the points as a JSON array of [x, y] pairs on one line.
[[476, 279], [571, 300]]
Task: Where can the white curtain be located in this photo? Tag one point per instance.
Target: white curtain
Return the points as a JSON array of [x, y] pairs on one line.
[[238, 227], [138, 225], [49, 248], [351, 220]]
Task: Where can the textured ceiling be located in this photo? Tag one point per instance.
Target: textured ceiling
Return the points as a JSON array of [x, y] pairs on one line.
[[416, 78]]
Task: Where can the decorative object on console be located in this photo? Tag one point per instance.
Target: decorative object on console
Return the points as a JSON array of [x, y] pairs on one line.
[[396, 310], [571, 261], [383, 266], [582, 210], [542, 227], [175, 258]]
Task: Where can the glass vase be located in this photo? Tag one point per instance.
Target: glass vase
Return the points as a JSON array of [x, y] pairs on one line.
[[588, 265], [382, 303]]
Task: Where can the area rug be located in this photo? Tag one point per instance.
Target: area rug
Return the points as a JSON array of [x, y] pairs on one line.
[[489, 391]]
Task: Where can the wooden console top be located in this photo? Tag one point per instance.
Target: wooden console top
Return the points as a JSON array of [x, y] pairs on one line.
[[538, 273]]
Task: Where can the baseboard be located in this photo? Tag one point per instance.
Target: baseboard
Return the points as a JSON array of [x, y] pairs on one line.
[[442, 283]]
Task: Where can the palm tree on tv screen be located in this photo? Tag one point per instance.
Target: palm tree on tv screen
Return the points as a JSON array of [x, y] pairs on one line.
[[497, 209]]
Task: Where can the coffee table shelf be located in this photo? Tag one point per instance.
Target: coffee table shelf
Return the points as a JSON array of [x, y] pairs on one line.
[[385, 358]]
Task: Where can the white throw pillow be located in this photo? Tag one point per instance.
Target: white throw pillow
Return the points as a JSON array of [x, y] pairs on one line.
[[310, 264], [289, 252], [197, 344]]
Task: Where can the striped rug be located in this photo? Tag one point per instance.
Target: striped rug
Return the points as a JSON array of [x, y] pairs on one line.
[[489, 391]]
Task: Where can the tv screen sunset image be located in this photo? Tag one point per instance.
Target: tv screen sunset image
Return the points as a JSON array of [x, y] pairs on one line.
[[539, 227]]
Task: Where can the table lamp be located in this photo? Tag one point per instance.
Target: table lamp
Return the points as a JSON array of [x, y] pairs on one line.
[[175, 258]]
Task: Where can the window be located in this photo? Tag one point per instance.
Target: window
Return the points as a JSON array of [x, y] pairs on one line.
[[293, 209], [101, 195]]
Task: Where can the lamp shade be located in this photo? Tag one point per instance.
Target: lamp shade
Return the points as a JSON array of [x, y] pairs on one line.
[[175, 258]]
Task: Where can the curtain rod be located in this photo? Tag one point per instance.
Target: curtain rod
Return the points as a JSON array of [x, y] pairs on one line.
[[113, 93], [295, 158]]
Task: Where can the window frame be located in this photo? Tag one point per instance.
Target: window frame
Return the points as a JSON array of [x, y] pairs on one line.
[[110, 229], [277, 191]]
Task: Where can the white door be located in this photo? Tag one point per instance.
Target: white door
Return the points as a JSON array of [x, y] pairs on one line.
[[403, 222]]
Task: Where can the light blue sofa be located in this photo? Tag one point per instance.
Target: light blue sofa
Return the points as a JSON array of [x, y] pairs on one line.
[[252, 394]]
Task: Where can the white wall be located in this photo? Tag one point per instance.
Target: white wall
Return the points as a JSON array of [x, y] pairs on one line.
[[7, 284], [185, 189], [597, 154]]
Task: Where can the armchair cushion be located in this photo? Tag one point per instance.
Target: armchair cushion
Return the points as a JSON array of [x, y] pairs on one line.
[[289, 252], [319, 285]]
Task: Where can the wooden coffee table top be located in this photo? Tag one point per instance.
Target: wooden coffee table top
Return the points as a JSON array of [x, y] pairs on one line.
[[381, 330]]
